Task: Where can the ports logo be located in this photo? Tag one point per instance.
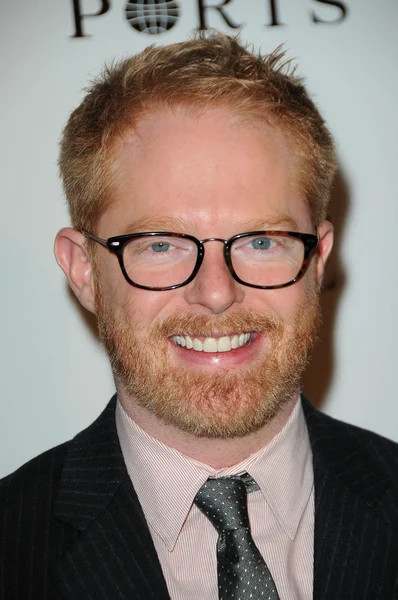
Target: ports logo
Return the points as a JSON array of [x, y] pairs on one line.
[[156, 17]]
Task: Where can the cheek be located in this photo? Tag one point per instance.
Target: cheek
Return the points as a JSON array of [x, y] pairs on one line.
[[286, 303], [142, 307]]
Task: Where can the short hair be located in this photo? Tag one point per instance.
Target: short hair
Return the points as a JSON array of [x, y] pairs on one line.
[[208, 71]]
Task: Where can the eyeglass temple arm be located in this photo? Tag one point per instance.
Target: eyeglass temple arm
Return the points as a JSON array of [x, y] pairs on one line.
[[95, 238]]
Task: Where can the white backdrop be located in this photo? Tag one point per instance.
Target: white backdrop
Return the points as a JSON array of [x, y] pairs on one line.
[[54, 377]]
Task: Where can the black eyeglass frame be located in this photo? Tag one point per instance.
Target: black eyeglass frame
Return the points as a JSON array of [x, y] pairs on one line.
[[116, 244]]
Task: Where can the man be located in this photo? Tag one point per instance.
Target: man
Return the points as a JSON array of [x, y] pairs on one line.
[[198, 177]]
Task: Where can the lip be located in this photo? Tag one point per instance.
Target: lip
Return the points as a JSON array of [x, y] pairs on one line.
[[234, 358]]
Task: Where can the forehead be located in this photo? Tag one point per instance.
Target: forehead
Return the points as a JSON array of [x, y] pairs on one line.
[[210, 168]]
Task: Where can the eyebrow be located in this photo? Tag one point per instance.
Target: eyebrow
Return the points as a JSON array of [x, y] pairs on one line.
[[180, 225], [271, 222], [164, 223]]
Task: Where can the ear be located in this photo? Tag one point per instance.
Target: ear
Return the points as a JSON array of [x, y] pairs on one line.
[[325, 244], [71, 255]]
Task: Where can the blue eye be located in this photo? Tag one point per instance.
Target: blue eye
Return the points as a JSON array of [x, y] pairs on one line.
[[261, 243], [160, 247]]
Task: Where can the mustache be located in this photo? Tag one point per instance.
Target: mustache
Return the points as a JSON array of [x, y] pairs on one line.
[[204, 325]]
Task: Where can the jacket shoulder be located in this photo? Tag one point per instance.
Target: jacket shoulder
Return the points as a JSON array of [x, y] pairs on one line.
[[325, 427], [42, 470], [46, 468], [30, 536], [362, 458], [27, 498]]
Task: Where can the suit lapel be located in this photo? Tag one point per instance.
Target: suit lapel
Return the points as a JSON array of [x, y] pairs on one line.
[[113, 555], [355, 548]]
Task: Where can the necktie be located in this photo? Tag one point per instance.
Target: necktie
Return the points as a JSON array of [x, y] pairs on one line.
[[242, 572]]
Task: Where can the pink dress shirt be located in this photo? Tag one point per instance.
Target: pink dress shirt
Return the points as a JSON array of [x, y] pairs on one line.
[[281, 513]]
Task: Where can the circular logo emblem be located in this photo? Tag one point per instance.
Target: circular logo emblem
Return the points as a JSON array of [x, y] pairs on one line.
[[152, 16]]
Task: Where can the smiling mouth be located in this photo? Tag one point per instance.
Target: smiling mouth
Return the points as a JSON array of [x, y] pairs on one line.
[[225, 343]]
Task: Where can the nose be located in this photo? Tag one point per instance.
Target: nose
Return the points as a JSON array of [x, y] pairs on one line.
[[214, 286]]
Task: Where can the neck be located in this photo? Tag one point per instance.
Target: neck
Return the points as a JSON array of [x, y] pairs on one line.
[[217, 453]]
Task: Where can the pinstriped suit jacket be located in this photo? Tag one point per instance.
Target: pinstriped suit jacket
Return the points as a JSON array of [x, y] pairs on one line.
[[71, 526]]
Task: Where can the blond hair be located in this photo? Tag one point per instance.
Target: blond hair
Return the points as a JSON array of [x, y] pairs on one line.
[[208, 71]]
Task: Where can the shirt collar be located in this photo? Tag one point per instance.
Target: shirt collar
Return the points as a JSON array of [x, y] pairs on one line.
[[283, 470], [166, 481]]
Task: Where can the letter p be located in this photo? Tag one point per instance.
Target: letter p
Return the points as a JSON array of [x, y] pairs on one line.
[[79, 16]]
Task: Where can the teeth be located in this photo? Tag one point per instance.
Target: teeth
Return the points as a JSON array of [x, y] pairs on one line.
[[210, 344], [224, 344], [197, 345], [235, 342]]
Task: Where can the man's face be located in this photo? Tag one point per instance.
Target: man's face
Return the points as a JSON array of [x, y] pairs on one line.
[[210, 175]]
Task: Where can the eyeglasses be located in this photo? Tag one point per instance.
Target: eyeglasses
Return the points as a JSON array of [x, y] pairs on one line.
[[160, 261]]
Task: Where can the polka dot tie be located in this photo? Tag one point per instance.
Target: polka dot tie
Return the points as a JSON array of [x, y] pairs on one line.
[[242, 572]]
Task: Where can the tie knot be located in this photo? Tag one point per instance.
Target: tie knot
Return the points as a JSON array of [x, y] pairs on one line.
[[224, 501]]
